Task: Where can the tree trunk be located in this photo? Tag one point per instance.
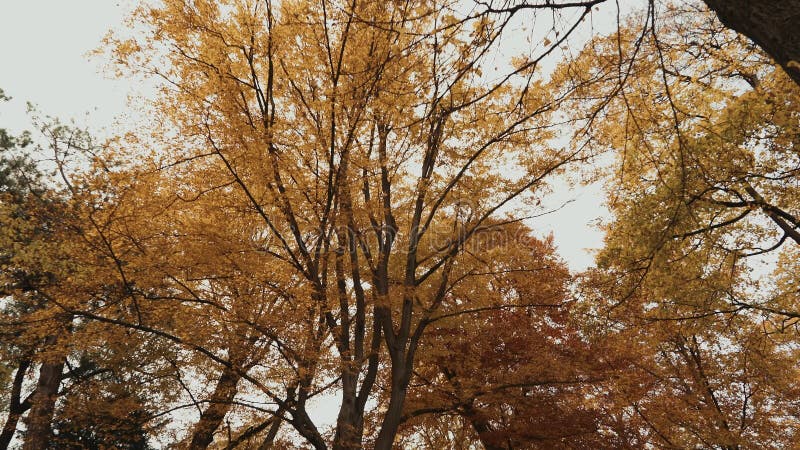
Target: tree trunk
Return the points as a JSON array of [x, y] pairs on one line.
[[16, 407], [401, 375], [772, 24], [350, 422], [43, 402], [218, 406]]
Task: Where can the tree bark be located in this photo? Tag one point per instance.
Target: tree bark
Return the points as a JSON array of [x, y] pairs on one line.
[[772, 24], [16, 407], [401, 375], [350, 422], [218, 406], [43, 402]]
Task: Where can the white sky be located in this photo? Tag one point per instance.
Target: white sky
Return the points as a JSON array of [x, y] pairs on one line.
[[45, 45]]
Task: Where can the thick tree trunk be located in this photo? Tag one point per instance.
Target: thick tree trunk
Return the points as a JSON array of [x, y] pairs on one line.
[[401, 375], [43, 402], [350, 422], [218, 406], [16, 407], [772, 24], [349, 429]]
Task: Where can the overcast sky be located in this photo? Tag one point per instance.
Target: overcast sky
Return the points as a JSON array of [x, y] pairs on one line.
[[45, 45]]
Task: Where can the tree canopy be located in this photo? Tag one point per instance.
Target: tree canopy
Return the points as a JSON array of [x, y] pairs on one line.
[[331, 210]]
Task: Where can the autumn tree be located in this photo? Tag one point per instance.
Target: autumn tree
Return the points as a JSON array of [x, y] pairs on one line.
[[52, 264], [19, 179], [359, 143], [715, 381], [702, 126], [329, 197], [516, 371], [704, 136], [30, 327]]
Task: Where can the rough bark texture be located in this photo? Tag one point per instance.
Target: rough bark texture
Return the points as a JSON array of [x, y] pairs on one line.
[[772, 24], [39, 431], [218, 406]]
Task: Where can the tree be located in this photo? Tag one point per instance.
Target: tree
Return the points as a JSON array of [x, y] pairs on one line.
[[768, 23], [706, 171], [330, 201], [28, 215], [517, 374], [351, 136], [703, 183], [50, 266], [715, 381], [18, 180]]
